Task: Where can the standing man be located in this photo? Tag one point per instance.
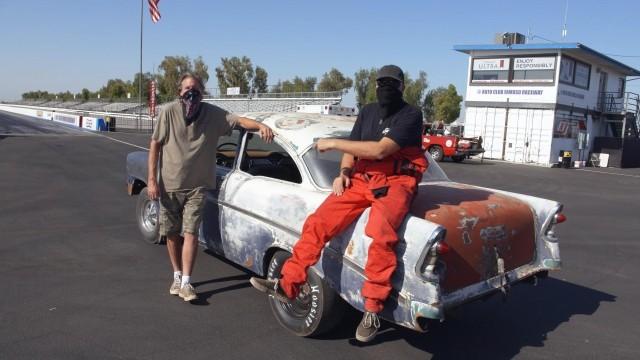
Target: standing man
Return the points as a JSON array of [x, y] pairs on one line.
[[382, 164], [187, 136]]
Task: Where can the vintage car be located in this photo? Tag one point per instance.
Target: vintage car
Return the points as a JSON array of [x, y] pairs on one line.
[[459, 242]]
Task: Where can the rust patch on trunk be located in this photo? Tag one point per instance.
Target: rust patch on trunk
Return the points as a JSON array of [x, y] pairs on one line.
[[478, 223]]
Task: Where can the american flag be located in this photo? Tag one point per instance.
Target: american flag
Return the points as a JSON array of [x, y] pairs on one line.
[[153, 9]]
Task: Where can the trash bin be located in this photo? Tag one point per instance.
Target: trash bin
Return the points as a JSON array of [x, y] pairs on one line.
[[111, 123], [566, 159]]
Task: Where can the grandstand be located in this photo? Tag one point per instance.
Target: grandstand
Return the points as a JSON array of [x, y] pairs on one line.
[[124, 113], [274, 102]]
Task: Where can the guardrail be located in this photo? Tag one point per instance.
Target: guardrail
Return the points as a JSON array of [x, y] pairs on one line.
[[92, 120]]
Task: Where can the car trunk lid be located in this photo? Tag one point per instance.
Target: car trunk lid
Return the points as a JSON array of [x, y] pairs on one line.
[[482, 227]]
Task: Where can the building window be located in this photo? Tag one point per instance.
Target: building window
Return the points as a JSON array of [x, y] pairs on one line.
[[620, 87], [490, 70], [575, 72], [534, 69]]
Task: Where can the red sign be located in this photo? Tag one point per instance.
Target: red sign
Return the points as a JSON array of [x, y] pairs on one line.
[[152, 99]]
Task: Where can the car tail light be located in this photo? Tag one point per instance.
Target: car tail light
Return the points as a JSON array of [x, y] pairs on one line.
[[559, 218], [429, 266], [442, 248]]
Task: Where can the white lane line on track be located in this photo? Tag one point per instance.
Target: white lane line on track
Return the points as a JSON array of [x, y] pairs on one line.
[[41, 135], [123, 142], [608, 173]]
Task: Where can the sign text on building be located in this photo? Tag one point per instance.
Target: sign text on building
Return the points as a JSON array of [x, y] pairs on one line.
[[534, 63]]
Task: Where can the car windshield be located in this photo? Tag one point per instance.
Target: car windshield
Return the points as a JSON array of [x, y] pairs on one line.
[[325, 166]]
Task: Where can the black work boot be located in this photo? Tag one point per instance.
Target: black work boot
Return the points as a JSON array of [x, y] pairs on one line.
[[368, 327], [271, 287]]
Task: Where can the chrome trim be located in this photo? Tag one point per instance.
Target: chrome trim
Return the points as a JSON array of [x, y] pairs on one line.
[[441, 232], [548, 223]]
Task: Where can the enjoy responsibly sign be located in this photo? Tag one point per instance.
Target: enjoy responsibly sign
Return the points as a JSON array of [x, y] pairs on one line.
[[534, 63]]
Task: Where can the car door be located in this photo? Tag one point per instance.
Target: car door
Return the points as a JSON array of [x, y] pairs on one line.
[[264, 200], [226, 155]]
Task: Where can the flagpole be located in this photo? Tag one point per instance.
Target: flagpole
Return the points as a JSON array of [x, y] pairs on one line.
[[140, 79]]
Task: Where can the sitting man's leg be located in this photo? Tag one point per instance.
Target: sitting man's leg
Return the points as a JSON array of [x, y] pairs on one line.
[[332, 216], [387, 214]]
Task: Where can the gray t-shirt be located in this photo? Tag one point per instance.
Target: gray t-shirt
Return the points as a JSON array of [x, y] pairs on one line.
[[189, 151]]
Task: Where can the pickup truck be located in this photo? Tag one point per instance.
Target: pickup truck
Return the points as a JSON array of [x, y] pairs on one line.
[[457, 148]]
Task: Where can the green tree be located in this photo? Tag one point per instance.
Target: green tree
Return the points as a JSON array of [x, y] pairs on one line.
[[201, 70], [37, 95], [170, 70], [428, 107], [115, 89], [65, 96], [85, 94], [146, 78], [234, 72], [365, 86], [447, 104], [334, 80], [298, 84], [259, 83], [414, 89]]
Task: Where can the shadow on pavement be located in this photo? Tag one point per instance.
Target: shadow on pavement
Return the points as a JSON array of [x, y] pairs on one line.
[[492, 329]]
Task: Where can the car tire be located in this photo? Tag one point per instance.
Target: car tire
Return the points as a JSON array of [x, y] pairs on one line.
[[316, 310], [458, 158], [436, 153], [147, 217]]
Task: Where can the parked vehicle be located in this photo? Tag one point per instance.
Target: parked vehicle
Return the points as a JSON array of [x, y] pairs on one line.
[[456, 147], [459, 242]]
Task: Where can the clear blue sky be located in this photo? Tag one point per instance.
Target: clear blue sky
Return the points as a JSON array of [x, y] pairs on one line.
[[68, 45]]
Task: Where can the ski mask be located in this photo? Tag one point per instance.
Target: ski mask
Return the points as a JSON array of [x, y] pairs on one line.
[[191, 104], [389, 99]]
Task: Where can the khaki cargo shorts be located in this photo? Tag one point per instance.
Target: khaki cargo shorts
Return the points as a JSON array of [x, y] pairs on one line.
[[181, 211]]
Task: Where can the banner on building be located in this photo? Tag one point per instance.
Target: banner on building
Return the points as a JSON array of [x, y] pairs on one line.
[[491, 64], [534, 63]]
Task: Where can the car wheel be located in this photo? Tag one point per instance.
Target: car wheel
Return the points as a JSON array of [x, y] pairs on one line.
[[317, 309], [458, 158], [436, 153], [147, 217]]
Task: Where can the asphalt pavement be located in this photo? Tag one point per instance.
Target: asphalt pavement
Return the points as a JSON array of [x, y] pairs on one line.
[[78, 282]]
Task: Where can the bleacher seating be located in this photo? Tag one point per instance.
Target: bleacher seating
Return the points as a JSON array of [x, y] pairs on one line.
[[268, 104]]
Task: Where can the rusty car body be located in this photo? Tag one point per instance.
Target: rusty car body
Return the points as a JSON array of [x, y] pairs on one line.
[[459, 242]]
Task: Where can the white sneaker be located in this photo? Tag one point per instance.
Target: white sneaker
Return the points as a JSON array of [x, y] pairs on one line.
[[187, 293], [175, 287]]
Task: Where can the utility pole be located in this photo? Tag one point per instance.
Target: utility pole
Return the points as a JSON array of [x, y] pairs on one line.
[[140, 79]]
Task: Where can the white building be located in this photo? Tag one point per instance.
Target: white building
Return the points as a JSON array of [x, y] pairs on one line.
[[530, 101]]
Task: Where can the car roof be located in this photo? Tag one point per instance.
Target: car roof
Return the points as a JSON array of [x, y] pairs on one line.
[[300, 130]]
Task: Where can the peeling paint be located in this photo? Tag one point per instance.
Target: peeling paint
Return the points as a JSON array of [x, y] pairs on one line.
[[493, 233]]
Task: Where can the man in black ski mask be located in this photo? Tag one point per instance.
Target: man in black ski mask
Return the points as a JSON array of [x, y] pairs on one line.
[[389, 88], [382, 163]]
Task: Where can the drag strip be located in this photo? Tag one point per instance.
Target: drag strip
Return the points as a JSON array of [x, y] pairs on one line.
[[22, 125]]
